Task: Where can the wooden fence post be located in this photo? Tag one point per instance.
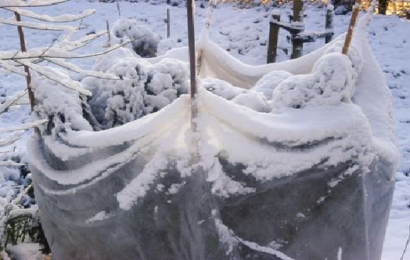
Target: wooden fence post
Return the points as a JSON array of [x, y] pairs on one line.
[[297, 43], [329, 23], [273, 36]]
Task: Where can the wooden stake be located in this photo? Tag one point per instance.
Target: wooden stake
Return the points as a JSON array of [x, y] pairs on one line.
[[26, 68], [297, 44], [108, 33], [168, 23], [352, 24], [119, 9], [329, 24], [191, 46], [273, 38]]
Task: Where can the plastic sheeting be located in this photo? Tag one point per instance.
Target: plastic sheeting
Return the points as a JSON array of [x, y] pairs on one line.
[[312, 183]]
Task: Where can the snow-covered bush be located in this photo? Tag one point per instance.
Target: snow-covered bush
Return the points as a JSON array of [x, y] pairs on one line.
[[144, 42], [64, 108], [143, 89]]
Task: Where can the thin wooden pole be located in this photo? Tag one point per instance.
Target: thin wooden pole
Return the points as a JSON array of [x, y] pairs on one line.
[[273, 38], [352, 24], [329, 23], [168, 23], [26, 68], [297, 44], [191, 46], [119, 9], [108, 33]]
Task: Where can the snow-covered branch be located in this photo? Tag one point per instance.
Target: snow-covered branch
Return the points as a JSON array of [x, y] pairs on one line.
[[9, 102], [11, 68], [23, 126], [10, 163], [36, 26], [70, 66], [10, 141], [32, 3], [51, 75], [54, 19], [55, 53]]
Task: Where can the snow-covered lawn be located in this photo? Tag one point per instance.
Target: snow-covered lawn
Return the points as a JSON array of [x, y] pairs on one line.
[[243, 32]]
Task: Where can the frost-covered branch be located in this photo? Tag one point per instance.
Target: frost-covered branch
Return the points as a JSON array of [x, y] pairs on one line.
[[32, 3], [70, 66], [36, 26], [23, 126], [10, 163], [53, 19], [11, 68], [9, 102], [51, 75], [10, 141], [57, 53]]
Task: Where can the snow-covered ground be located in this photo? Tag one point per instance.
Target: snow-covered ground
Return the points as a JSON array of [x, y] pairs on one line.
[[243, 32]]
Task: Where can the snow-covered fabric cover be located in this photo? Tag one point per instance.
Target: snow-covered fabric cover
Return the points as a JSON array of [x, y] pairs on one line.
[[309, 177]]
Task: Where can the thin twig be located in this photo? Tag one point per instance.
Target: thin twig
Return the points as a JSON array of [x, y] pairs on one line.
[[407, 244], [119, 9]]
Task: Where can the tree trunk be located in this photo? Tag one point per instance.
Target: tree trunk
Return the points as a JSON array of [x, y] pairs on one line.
[[383, 6]]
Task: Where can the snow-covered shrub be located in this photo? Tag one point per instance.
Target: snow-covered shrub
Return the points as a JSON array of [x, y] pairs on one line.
[[63, 107], [331, 83], [144, 41], [143, 89]]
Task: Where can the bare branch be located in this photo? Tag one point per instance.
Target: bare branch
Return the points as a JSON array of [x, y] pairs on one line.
[[407, 244]]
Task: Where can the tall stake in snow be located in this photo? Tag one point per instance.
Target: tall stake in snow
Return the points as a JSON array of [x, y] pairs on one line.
[[168, 23], [352, 24], [26, 68], [191, 45]]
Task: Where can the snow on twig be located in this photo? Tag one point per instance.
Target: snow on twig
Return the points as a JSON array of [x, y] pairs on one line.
[[9, 102], [56, 53], [54, 19], [36, 26], [23, 126], [70, 66], [10, 163], [32, 3], [10, 67], [10, 141], [51, 75]]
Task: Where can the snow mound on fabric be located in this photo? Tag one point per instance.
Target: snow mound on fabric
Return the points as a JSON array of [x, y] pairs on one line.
[[331, 83]]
